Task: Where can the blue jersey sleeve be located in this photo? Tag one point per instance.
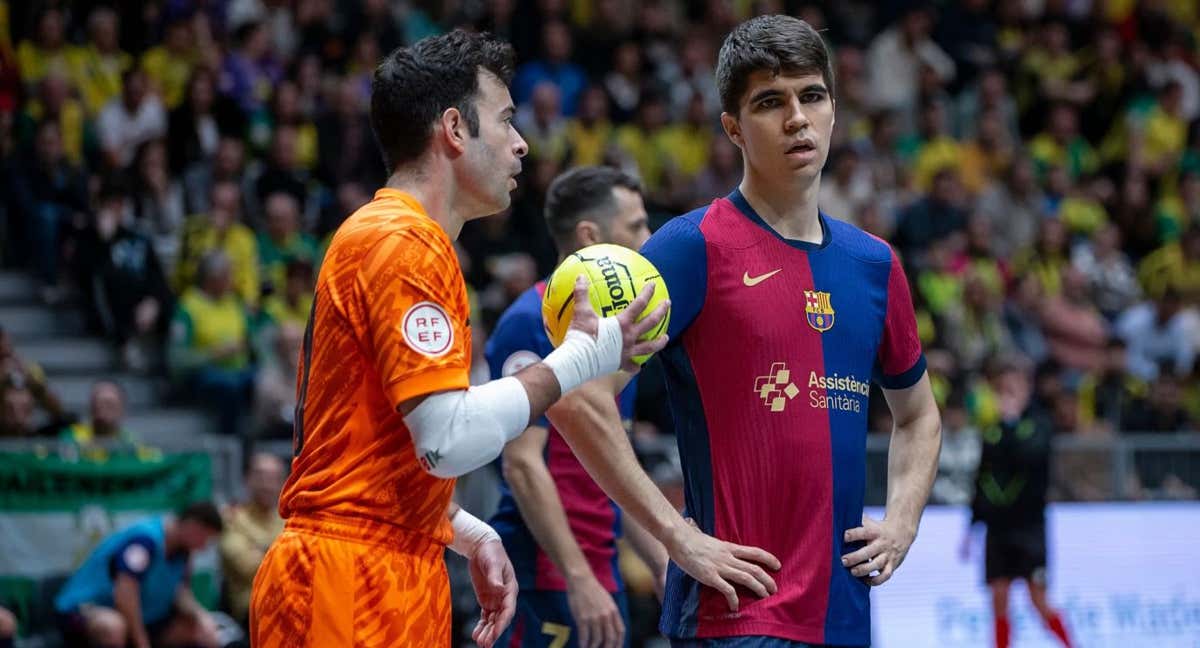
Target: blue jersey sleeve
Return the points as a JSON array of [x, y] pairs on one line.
[[678, 250], [134, 557], [900, 362], [518, 341]]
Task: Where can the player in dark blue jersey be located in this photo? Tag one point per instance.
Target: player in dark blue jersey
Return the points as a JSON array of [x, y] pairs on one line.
[[782, 317], [558, 526]]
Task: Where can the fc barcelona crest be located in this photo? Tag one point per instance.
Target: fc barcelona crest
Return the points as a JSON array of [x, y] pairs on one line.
[[818, 309]]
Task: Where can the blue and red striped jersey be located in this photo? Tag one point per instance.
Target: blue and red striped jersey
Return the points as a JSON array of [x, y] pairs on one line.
[[595, 520], [772, 436]]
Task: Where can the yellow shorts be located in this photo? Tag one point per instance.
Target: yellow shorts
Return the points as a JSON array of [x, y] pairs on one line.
[[333, 583]]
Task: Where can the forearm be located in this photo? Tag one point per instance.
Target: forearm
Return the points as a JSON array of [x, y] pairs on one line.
[[128, 604], [651, 551], [912, 466], [591, 425], [541, 508]]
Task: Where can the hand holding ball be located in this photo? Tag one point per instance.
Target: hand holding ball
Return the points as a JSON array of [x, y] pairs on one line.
[[615, 276]]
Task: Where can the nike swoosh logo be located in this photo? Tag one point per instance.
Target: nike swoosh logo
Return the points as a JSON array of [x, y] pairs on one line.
[[754, 281]]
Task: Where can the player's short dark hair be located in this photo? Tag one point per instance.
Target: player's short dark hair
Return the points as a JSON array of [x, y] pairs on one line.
[[204, 513], [583, 193], [414, 85], [780, 44]]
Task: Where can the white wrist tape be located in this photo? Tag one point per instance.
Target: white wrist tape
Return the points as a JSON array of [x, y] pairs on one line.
[[469, 533], [456, 432], [581, 357]]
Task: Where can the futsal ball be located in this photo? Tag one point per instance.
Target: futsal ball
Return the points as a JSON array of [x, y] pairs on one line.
[[616, 276]]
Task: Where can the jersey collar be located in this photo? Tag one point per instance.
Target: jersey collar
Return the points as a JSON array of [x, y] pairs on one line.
[[739, 201]]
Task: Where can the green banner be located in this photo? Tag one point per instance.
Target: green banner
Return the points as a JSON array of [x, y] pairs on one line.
[[29, 482], [54, 511]]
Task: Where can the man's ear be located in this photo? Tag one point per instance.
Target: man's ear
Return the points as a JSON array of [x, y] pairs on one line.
[[454, 129], [588, 233], [732, 128]]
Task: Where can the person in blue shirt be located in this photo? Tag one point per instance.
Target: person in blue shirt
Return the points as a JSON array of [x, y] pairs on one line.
[[134, 590], [782, 317], [558, 526]]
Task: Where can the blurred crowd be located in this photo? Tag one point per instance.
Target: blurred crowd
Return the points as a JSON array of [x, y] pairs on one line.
[[176, 167]]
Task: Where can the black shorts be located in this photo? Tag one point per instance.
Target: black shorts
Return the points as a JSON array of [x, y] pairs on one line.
[[1016, 552]]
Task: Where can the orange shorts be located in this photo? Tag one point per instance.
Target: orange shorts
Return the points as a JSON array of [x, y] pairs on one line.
[[327, 583]]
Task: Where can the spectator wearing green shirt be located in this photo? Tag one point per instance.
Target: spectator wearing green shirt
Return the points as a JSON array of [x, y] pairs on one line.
[[282, 241]]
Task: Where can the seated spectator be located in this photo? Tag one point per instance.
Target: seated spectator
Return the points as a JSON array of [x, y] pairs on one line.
[[54, 102], [1161, 410], [1174, 265], [1075, 330], [347, 129], [1014, 207], [974, 326], [1047, 260], [128, 121], [197, 125], [282, 171], [1109, 273], [1061, 145], [292, 304], [542, 124], [250, 528], [49, 193], [1106, 394], [209, 350], [158, 201], [282, 241], [170, 63], [124, 289], [275, 387], [48, 51], [229, 164], [1158, 334], [104, 434], [16, 414], [590, 133], [250, 72], [556, 67], [133, 589], [29, 378], [221, 229], [8, 628], [96, 68], [932, 217]]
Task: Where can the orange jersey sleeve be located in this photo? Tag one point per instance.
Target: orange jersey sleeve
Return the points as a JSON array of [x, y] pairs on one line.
[[389, 323]]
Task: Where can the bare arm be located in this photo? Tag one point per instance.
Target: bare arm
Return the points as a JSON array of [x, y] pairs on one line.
[[912, 465], [591, 424], [127, 600], [650, 550], [537, 498], [913, 454]]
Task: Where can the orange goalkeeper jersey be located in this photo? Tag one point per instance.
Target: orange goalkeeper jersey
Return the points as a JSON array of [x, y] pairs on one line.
[[389, 322]]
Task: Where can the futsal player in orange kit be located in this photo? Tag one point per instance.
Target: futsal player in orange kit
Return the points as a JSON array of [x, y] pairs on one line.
[[385, 418]]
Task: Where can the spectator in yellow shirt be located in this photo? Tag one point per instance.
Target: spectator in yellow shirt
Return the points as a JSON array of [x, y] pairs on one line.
[[1173, 266], [641, 140], [170, 64], [47, 53], [688, 142], [1062, 145], [209, 349], [1163, 134], [221, 229], [250, 528], [55, 103], [96, 68], [590, 133]]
